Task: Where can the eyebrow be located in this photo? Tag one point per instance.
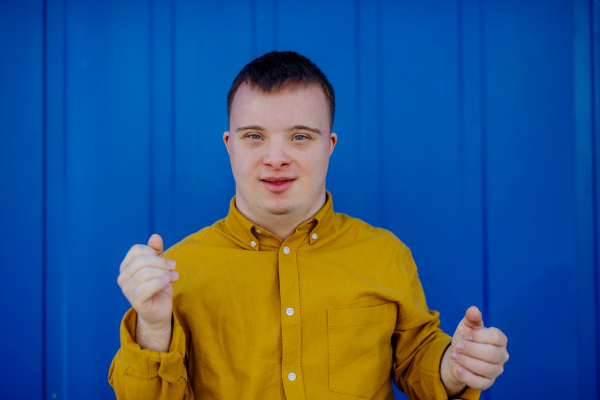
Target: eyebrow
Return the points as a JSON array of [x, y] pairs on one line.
[[293, 128], [303, 127], [250, 127]]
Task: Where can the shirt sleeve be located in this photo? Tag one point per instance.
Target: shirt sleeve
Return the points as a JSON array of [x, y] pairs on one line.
[[419, 344], [137, 373]]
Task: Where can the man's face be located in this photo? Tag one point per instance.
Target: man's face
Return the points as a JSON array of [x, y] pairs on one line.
[[279, 145]]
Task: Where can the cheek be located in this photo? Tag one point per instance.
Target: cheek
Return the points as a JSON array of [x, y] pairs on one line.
[[316, 164], [243, 162]]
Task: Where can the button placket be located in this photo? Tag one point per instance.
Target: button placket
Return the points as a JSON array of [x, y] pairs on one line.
[[291, 319]]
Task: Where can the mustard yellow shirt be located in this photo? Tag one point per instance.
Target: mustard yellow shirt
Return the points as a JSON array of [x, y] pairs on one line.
[[332, 312]]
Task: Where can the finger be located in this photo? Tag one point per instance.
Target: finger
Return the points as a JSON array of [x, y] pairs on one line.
[[478, 367], [146, 274], [491, 336], [483, 351], [148, 289], [156, 243], [136, 250], [473, 318], [144, 261], [475, 381]]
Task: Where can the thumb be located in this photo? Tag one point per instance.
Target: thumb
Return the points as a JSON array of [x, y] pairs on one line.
[[156, 243], [473, 318]]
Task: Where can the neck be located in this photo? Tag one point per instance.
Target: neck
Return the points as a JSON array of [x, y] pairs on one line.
[[281, 225]]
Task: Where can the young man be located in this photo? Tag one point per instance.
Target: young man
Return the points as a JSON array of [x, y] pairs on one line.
[[283, 298]]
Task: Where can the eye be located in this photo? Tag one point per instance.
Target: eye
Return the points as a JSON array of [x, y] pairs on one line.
[[254, 136], [300, 137]]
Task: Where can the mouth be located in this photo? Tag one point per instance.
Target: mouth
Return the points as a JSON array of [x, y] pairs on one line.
[[278, 185]]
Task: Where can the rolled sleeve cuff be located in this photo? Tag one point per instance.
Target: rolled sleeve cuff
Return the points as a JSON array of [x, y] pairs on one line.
[[431, 380], [147, 364]]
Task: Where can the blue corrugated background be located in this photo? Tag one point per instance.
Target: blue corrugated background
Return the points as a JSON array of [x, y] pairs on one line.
[[469, 128]]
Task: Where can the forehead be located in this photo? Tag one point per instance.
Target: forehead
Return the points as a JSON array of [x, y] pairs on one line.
[[291, 105]]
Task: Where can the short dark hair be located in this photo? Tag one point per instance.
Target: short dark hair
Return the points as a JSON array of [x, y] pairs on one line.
[[278, 68]]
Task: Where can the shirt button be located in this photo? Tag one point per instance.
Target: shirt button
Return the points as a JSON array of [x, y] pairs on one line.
[[292, 376], [314, 236], [253, 243], [289, 311], [286, 250], [258, 231]]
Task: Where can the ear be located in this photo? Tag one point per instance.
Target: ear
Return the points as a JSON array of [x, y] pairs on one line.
[[226, 140], [332, 142]]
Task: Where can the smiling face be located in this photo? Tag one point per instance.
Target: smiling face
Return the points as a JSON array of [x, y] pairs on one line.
[[279, 145]]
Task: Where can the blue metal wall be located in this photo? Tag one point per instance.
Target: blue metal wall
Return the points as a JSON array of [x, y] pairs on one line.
[[468, 128]]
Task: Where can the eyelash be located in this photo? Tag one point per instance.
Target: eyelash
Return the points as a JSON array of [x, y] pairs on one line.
[[251, 136]]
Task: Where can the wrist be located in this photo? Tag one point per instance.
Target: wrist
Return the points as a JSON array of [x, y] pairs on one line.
[[452, 385], [156, 328], [153, 337]]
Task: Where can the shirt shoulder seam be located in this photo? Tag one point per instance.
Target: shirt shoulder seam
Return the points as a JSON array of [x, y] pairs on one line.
[[382, 231], [194, 238]]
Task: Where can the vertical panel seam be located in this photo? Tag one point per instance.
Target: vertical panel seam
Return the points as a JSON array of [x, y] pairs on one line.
[[484, 188], [65, 199], [380, 135], [173, 161], [151, 114], [594, 188], [275, 38], [461, 100], [44, 188], [253, 27], [357, 84]]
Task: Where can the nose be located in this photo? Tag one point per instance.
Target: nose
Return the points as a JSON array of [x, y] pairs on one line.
[[276, 156]]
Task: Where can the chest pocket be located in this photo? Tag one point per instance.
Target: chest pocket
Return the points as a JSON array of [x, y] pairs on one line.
[[360, 348]]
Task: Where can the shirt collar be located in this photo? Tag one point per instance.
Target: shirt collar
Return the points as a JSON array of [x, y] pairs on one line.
[[246, 231]]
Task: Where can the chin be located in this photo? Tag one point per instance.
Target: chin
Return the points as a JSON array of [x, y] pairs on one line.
[[279, 207]]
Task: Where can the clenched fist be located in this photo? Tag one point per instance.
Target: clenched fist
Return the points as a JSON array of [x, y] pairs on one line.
[[477, 354], [146, 279]]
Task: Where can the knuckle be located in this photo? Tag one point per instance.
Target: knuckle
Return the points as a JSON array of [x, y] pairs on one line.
[[489, 353], [498, 354], [495, 333], [126, 289]]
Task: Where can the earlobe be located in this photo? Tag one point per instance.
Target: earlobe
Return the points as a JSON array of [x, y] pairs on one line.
[[332, 142], [226, 140]]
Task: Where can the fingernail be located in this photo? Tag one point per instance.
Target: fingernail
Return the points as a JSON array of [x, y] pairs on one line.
[[460, 370], [460, 345], [455, 356], [174, 275], [469, 337], [171, 263], [164, 279]]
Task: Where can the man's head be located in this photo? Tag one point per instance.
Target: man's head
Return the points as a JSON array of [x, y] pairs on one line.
[[277, 69], [280, 116]]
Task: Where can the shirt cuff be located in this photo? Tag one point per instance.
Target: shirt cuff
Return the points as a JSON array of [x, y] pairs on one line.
[[431, 379], [147, 364]]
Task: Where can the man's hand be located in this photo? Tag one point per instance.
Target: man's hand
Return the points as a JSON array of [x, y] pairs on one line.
[[476, 357], [146, 281]]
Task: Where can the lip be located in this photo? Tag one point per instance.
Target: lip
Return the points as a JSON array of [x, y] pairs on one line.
[[277, 187]]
